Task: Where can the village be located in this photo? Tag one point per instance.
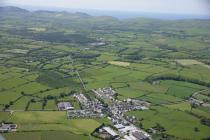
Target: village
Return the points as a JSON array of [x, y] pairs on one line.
[[122, 126], [115, 111]]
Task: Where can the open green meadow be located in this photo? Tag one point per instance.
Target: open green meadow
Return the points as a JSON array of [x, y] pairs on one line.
[[176, 123], [47, 135]]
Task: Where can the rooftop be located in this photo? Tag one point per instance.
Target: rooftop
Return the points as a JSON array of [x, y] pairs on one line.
[[110, 131]]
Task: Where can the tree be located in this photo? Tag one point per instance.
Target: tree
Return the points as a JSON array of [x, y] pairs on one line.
[[193, 105], [196, 129], [48, 89], [6, 106], [11, 103], [73, 91], [50, 97], [22, 93], [33, 100], [140, 125], [62, 95]]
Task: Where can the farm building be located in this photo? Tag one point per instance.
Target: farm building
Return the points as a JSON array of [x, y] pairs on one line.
[[64, 106], [107, 92], [110, 132], [82, 114], [8, 127], [140, 136]]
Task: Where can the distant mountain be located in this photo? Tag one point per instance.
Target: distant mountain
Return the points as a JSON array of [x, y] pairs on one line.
[[82, 22], [14, 9], [81, 14]]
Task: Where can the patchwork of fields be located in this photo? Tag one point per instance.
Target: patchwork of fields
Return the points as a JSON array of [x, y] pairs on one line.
[[44, 61]]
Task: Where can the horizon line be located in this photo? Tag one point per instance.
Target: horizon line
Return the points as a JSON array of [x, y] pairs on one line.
[[112, 13]]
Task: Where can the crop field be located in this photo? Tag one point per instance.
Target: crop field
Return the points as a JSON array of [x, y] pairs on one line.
[[186, 62], [119, 63]]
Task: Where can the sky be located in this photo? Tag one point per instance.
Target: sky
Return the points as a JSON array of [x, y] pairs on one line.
[[197, 7]]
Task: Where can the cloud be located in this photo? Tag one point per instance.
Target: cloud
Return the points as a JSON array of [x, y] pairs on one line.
[[2, 2]]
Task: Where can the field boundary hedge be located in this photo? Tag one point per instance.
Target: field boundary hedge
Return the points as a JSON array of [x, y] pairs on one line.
[[151, 79]]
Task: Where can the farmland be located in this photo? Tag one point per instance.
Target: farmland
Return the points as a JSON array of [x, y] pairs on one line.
[[118, 63], [47, 62]]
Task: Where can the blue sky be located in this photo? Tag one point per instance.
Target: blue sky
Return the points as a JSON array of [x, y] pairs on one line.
[[158, 6]]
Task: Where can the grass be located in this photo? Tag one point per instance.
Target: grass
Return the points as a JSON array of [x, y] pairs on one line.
[[186, 62], [181, 89], [196, 72], [177, 123], [54, 79], [144, 86], [20, 104], [52, 120], [4, 116], [46, 66], [119, 63], [5, 99], [156, 98], [12, 82], [30, 88], [130, 93], [184, 106], [37, 29], [104, 76], [47, 135], [35, 106], [51, 105]]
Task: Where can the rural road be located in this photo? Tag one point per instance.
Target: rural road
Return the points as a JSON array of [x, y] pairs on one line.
[[83, 85]]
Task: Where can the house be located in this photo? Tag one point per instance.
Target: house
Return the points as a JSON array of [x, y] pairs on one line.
[[81, 98], [107, 92], [95, 44], [129, 137], [140, 136], [110, 132], [119, 126], [71, 114], [195, 101], [8, 127], [64, 106]]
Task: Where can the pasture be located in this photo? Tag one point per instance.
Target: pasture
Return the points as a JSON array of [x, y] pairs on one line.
[[46, 135], [186, 62], [119, 63], [177, 123], [39, 121]]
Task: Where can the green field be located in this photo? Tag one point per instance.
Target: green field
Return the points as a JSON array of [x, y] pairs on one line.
[[46, 135], [51, 120], [176, 123]]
